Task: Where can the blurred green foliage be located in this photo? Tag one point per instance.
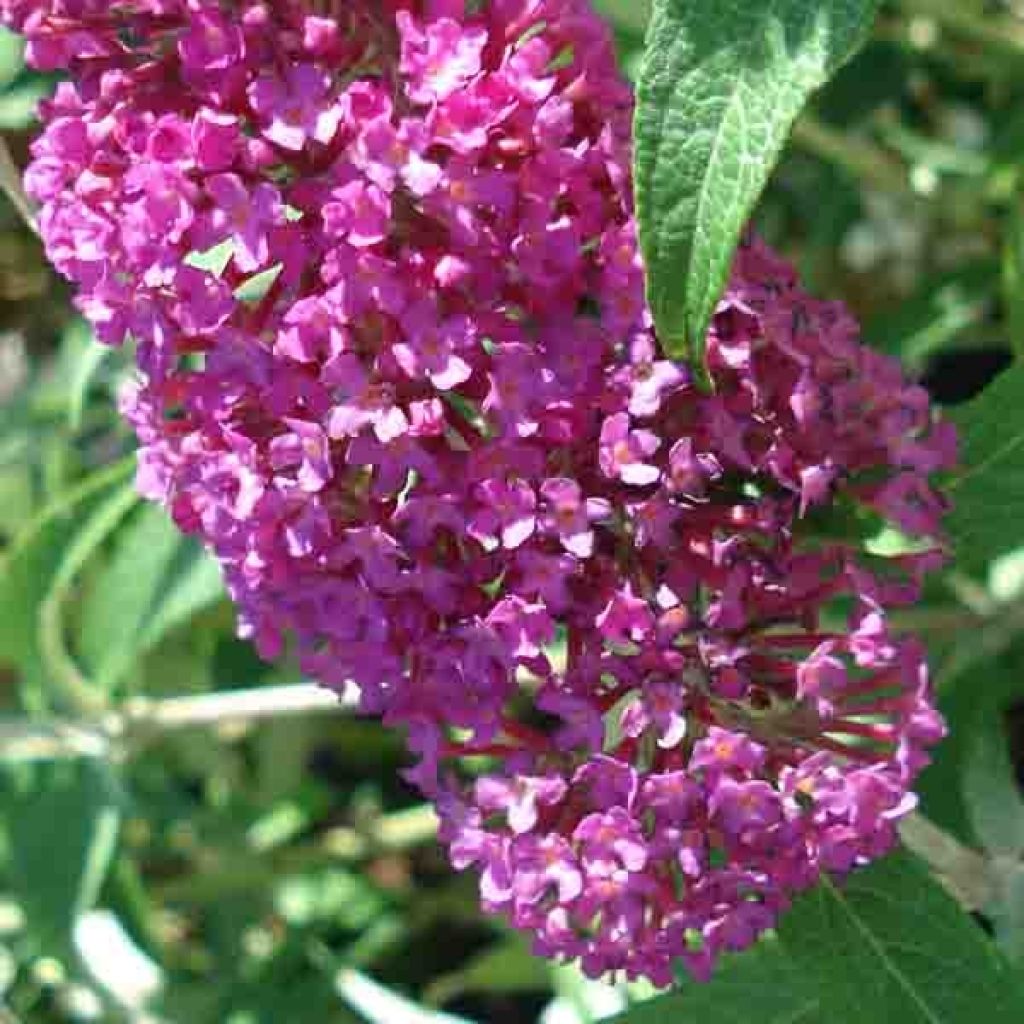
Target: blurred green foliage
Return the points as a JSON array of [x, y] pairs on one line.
[[280, 870]]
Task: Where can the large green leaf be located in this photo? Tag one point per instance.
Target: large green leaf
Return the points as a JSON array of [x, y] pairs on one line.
[[890, 945], [721, 83], [760, 986], [988, 493]]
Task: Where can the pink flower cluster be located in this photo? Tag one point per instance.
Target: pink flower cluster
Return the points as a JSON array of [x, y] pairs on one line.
[[399, 375]]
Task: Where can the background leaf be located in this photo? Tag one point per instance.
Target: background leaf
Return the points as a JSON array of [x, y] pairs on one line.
[[720, 85], [27, 571], [889, 944], [156, 579], [990, 789], [60, 824], [988, 494]]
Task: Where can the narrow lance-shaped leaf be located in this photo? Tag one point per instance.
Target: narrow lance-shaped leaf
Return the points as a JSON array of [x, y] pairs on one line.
[[155, 581], [721, 83]]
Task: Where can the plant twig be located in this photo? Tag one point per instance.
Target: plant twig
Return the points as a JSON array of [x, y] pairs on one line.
[[141, 719], [966, 873]]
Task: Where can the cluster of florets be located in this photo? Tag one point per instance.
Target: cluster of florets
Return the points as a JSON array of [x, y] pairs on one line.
[[419, 413]]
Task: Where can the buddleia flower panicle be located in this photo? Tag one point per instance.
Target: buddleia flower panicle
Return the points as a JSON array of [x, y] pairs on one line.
[[396, 370]]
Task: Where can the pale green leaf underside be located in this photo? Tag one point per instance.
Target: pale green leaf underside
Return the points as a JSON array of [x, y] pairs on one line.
[[721, 83]]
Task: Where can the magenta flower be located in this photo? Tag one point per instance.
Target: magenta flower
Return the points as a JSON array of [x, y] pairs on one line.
[[244, 216], [726, 752], [296, 110], [519, 799], [546, 864], [659, 710], [652, 381], [211, 43], [440, 59], [690, 473], [624, 452], [570, 516], [308, 448], [626, 618], [433, 349], [216, 140], [358, 213], [739, 807], [506, 514], [610, 840], [822, 675]]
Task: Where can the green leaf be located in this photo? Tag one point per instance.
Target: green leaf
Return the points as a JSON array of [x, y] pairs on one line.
[[330, 894], [760, 986], [630, 15], [62, 671], [1013, 275], [19, 104], [28, 569], [254, 289], [12, 62], [60, 829], [890, 945], [506, 966], [720, 85], [996, 811], [156, 580], [988, 493], [215, 259], [86, 369], [945, 309]]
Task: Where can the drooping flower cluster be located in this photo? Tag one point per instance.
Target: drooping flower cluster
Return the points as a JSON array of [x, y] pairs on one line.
[[398, 373]]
